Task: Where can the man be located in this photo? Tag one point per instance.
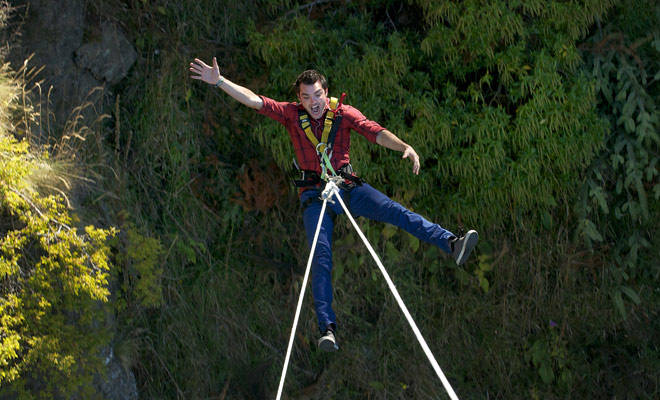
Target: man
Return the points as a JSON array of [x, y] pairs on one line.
[[305, 122]]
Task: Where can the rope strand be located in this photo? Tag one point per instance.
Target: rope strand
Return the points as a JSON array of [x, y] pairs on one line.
[[403, 307], [330, 190], [300, 301]]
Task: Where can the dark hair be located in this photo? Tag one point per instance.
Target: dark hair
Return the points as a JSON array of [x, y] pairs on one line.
[[310, 77]]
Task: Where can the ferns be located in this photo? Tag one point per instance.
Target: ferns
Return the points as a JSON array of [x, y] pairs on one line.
[[510, 130]]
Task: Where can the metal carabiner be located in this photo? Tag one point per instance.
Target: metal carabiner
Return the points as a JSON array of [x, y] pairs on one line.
[[319, 145]]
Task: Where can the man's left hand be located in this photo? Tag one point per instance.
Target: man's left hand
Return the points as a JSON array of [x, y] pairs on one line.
[[410, 153], [387, 139]]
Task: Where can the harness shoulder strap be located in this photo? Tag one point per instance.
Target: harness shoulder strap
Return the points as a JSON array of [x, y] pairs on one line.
[[329, 120], [328, 126], [305, 125]]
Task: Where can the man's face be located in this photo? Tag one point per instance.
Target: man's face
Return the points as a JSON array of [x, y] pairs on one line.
[[313, 99]]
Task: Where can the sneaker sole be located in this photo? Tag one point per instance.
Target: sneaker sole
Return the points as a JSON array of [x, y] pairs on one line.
[[328, 345], [471, 239]]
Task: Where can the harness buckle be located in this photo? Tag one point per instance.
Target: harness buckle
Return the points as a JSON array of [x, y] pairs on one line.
[[319, 145]]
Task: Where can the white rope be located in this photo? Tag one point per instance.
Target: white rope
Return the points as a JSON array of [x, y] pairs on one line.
[[420, 338], [300, 301], [330, 190]]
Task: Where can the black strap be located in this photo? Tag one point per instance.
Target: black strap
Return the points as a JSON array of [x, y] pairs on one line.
[[346, 172], [333, 131], [328, 210], [311, 178], [308, 178], [309, 201]]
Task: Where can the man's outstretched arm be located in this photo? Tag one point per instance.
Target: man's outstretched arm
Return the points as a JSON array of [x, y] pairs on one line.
[[387, 139], [211, 75]]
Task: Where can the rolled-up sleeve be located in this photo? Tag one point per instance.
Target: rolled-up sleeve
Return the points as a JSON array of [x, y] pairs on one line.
[[360, 124], [274, 109]]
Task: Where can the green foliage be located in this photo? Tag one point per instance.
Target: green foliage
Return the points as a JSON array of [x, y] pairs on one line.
[[484, 266], [487, 95], [139, 264], [550, 357], [53, 278], [614, 207], [493, 97]]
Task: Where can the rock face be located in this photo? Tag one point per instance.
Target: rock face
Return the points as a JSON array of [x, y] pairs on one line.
[[109, 58], [118, 384], [77, 58]]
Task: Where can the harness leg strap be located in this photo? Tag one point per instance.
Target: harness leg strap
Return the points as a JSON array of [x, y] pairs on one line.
[[311, 200]]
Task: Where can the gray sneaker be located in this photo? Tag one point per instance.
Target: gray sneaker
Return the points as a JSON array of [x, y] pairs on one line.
[[327, 342], [462, 247]]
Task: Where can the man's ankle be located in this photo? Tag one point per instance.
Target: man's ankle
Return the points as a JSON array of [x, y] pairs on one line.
[[451, 241]]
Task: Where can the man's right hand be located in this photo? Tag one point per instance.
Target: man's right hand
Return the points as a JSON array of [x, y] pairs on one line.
[[211, 75], [204, 72]]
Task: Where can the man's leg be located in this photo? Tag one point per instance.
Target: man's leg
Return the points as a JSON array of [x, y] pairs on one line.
[[370, 203], [321, 261]]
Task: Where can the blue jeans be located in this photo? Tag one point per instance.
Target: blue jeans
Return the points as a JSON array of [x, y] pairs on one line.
[[365, 201]]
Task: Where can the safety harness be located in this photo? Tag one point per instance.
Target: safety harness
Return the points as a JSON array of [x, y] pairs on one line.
[[323, 148], [330, 128]]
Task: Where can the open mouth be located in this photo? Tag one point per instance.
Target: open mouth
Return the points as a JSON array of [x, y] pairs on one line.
[[315, 109]]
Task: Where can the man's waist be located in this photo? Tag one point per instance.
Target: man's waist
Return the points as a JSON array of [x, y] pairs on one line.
[[310, 179]]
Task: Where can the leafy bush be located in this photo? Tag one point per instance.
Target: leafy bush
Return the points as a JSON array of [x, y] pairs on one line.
[[53, 278], [490, 97], [623, 57], [492, 84]]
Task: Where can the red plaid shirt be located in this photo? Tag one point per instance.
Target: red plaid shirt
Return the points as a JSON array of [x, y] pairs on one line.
[[287, 114]]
